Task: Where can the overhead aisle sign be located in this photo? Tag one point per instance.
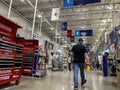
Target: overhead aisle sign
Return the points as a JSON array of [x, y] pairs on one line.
[[69, 33], [55, 14], [77, 33], [79, 2], [86, 32], [68, 3], [64, 26]]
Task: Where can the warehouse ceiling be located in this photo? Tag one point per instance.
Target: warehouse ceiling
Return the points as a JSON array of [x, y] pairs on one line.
[[98, 16]]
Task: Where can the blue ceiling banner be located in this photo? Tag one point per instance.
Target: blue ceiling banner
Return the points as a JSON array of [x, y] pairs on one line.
[[77, 33], [79, 2], [68, 3], [84, 2], [86, 32], [64, 26]]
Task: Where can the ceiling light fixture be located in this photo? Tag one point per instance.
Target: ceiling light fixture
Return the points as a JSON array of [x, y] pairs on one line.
[[52, 28], [104, 21], [22, 0], [102, 29], [39, 16], [110, 7], [97, 40]]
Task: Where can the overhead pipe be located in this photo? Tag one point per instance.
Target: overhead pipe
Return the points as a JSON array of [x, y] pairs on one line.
[[34, 18], [17, 12], [41, 26], [10, 6], [29, 2], [56, 35]]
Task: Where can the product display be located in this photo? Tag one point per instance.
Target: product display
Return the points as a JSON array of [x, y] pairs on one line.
[[29, 53], [40, 64], [10, 67]]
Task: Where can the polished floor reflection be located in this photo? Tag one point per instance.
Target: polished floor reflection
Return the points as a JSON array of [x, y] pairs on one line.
[[64, 81]]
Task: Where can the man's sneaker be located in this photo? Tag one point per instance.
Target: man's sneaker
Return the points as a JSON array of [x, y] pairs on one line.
[[84, 82], [75, 87]]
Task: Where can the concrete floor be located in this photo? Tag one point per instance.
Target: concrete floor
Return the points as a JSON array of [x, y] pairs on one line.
[[64, 81]]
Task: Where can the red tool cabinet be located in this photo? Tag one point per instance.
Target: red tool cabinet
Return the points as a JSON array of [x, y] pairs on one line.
[[29, 53], [18, 58], [9, 70]]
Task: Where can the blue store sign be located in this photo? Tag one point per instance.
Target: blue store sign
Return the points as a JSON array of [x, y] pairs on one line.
[[68, 3], [79, 2], [77, 33], [86, 32], [64, 26]]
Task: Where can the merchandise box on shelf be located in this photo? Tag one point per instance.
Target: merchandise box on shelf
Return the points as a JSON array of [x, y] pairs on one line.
[[8, 31], [29, 54]]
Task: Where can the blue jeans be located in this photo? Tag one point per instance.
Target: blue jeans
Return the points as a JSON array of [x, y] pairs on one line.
[[77, 66]]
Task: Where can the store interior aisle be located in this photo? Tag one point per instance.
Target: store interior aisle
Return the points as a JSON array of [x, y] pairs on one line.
[[64, 81]]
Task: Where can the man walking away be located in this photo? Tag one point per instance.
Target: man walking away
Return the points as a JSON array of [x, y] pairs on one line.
[[80, 54]]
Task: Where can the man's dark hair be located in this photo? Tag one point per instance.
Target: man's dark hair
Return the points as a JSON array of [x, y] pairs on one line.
[[80, 40]]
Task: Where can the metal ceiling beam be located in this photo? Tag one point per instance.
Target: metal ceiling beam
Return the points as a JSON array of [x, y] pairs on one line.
[[90, 11], [40, 7]]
